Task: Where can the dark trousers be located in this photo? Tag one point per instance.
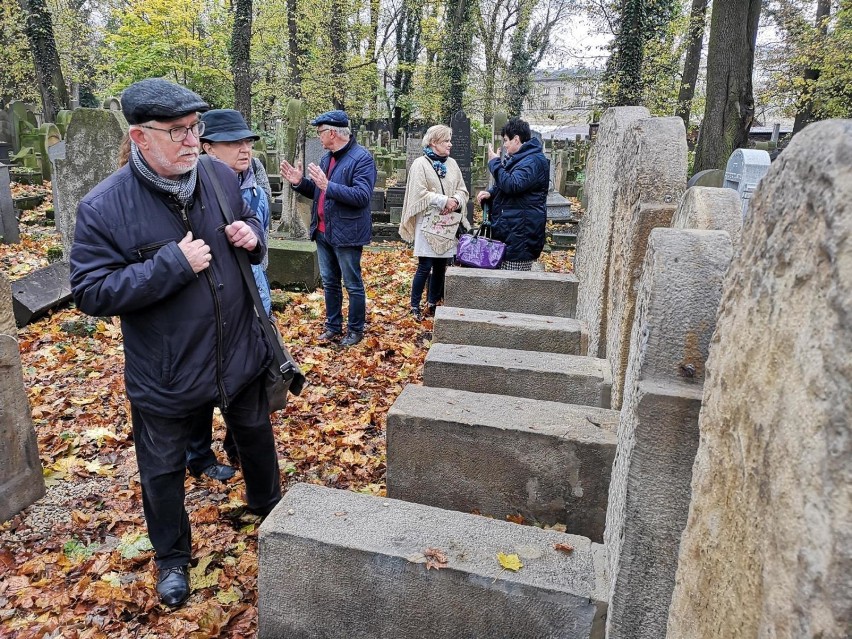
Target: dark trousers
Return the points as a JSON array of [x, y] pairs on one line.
[[434, 270], [336, 263], [161, 456]]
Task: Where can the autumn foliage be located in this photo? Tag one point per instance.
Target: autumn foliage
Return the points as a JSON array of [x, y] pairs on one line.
[[77, 564]]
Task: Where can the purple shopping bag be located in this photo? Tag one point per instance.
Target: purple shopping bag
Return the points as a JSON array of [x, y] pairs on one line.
[[479, 252]]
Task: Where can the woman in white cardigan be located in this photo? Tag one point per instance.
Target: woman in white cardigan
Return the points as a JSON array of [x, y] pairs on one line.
[[435, 202]]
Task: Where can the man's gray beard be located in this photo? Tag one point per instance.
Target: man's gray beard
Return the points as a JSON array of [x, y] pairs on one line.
[[172, 167]]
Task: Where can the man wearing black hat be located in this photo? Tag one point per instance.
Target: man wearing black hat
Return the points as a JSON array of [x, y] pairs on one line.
[[151, 245], [341, 188]]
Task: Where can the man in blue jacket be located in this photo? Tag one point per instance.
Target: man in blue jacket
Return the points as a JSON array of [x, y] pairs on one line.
[[341, 188], [519, 195], [151, 246]]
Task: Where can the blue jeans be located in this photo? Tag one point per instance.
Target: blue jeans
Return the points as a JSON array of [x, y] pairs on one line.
[[432, 269], [336, 263]]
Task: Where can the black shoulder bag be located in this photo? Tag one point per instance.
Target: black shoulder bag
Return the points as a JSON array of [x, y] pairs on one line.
[[283, 373]]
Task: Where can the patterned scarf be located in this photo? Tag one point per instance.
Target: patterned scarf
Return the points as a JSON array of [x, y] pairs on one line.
[[437, 161], [182, 188]]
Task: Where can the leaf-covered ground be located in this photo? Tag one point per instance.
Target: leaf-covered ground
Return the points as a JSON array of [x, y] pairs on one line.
[[77, 564]]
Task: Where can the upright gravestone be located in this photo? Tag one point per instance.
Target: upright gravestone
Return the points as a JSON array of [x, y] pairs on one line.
[[295, 210], [88, 155], [558, 206], [413, 150], [594, 235], [648, 502], [8, 220], [743, 172], [767, 550], [460, 124], [710, 209], [651, 181], [21, 481], [112, 104], [497, 123], [313, 151]]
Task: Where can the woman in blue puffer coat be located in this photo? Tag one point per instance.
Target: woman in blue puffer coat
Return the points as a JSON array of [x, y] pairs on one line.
[[519, 195]]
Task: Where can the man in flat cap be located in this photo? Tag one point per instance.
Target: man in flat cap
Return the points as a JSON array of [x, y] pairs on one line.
[[151, 246], [341, 188]]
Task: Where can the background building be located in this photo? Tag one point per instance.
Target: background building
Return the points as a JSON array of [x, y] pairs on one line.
[[562, 97]]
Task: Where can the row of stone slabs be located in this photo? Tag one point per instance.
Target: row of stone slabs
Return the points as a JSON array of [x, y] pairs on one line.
[[494, 431]]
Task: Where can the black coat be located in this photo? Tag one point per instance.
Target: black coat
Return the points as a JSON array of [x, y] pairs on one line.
[[188, 339], [519, 201]]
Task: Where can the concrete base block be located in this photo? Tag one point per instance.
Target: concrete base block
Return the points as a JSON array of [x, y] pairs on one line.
[[35, 294], [570, 379], [500, 456], [530, 292], [337, 564], [293, 264], [520, 331]]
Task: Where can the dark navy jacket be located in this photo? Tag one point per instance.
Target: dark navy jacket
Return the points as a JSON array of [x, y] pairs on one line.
[[519, 201], [347, 197], [189, 339]]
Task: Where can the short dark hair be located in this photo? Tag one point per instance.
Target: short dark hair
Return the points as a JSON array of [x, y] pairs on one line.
[[518, 127]]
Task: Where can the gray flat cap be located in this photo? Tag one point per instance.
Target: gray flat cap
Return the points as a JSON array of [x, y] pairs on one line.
[[158, 99]]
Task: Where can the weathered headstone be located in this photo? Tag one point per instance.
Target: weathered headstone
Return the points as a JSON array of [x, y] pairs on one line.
[[295, 213], [558, 207], [651, 183], [395, 197], [595, 232], [744, 170], [767, 550], [658, 429], [709, 209], [460, 124], [707, 177], [497, 123], [39, 291], [89, 154], [21, 481], [8, 220], [112, 104], [313, 152], [413, 150]]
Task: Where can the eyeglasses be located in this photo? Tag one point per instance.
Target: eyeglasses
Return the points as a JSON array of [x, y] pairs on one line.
[[179, 133], [321, 131], [247, 142]]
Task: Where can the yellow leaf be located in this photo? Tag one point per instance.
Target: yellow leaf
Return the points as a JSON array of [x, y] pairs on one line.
[[197, 578], [509, 562], [82, 401], [232, 595]]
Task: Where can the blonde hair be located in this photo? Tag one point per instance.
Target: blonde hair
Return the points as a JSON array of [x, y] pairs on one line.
[[437, 133]]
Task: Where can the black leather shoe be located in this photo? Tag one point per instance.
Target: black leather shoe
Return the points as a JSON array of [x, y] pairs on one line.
[[329, 336], [352, 338], [173, 585], [219, 472]]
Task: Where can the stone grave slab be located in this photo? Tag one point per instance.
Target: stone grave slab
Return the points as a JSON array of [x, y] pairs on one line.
[[500, 329], [395, 196], [462, 151], [380, 217], [367, 556], [708, 177], [21, 480], [377, 200], [651, 184], [293, 264], [87, 156], [678, 297], [386, 232], [594, 235], [564, 239], [413, 150], [502, 456], [744, 170], [710, 209], [36, 293], [8, 219], [767, 547], [553, 377], [535, 293]]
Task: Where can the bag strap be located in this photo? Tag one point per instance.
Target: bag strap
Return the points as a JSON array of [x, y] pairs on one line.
[[286, 363], [485, 228]]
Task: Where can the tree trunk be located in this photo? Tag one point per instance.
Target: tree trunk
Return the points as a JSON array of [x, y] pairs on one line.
[[408, 33], [730, 101], [241, 57], [695, 44], [39, 29], [294, 55], [623, 74], [805, 113], [457, 49], [338, 37]]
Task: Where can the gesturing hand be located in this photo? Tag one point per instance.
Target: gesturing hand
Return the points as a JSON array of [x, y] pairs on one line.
[[482, 195], [317, 175], [196, 252], [491, 154], [293, 174], [240, 235]]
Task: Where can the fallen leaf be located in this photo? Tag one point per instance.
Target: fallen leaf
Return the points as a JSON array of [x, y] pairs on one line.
[[510, 562], [435, 558], [568, 548]]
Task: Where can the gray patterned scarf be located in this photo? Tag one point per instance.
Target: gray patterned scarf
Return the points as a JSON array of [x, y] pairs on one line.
[[182, 188]]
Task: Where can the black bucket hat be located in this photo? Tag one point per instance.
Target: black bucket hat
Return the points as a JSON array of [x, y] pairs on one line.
[[226, 125]]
